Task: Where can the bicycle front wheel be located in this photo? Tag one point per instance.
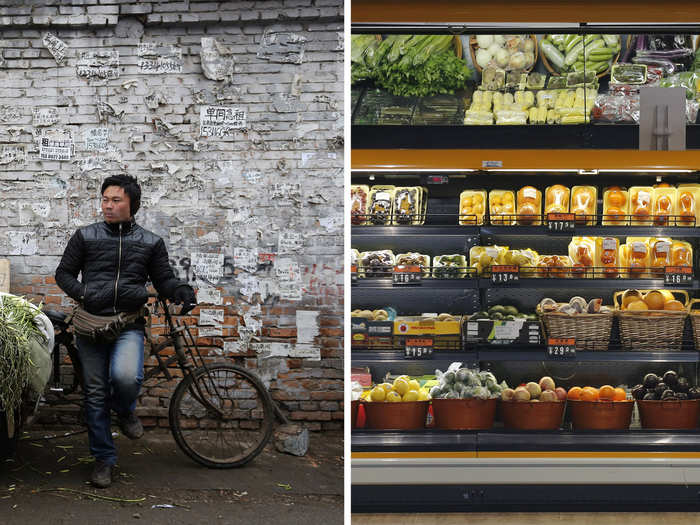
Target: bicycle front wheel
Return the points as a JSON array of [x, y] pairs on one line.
[[220, 416]]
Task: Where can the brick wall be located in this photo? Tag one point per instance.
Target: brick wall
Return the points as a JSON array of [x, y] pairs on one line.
[[252, 218]]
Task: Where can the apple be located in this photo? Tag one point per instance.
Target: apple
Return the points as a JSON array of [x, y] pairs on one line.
[[561, 393], [508, 394], [521, 394], [549, 395], [547, 383], [534, 389]]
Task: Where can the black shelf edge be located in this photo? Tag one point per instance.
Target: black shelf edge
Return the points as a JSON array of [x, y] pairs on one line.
[[592, 136], [591, 356], [498, 439], [586, 284], [426, 284], [426, 229]]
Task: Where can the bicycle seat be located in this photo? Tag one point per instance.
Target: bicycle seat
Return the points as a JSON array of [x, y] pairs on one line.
[[57, 318]]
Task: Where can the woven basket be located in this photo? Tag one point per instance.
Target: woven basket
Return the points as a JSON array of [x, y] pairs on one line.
[[473, 46], [556, 73], [592, 331], [695, 320], [651, 330]]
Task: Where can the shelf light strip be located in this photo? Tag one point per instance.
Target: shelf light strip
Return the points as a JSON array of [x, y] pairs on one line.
[[517, 170]]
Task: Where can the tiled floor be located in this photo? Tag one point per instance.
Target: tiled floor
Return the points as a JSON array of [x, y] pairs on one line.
[[539, 518]]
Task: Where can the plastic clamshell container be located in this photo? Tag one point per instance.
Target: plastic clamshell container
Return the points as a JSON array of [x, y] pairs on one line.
[[403, 415], [641, 205], [688, 204], [556, 199], [671, 415], [616, 202], [601, 415], [529, 206], [464, 414], [665, 201], [660, 252], [359, 202], [582, 251], [502, 207], [472, 207], [681, 253], [379, 207], [407, 205], [584, 202], [532, 416], [607, 253]]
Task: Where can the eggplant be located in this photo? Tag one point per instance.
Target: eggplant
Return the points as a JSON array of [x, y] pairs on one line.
[[682, 396], [650, 381], [638, 392], [671, 379], [661, 388], [650, 396], [668, 394], [694, 393], [683, 385]]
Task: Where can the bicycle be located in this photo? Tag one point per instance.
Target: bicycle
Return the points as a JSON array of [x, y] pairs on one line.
[[223, 400]]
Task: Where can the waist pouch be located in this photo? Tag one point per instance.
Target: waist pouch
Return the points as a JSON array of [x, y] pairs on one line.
[[103, 328]]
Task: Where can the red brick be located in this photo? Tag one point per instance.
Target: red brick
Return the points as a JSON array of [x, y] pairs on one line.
[[50, 279], [338, 415], [331, 332], [294, 363], [37, 279], [283, 332], [327, 396], [52, 299]]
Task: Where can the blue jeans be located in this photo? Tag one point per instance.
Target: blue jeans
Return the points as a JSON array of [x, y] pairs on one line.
[[112, 376]]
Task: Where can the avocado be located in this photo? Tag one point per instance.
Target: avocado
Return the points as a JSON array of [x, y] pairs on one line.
[[682, 396], [531, 317], [660, 388], [638, 392], [650, 396], [694, 392], [497, 309], [510, 317], [683, 385], [650, 381], [671, 379], [668, 394], [497, 316], [510, 310]]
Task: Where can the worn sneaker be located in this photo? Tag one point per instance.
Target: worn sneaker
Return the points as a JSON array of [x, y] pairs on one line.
[[131, 426], [102, 474]]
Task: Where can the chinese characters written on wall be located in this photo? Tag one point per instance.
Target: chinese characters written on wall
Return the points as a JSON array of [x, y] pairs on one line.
[[220, 121]]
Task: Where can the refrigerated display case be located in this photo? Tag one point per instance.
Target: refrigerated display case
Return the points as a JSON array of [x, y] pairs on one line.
[[447, 470]]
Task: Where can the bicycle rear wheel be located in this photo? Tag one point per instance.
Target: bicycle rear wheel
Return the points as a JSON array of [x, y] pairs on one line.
[[220, 416]]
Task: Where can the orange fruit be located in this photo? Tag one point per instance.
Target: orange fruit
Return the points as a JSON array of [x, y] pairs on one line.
[[574, 393], [655, 300], [674, 305], [589, 394], [620, 394], [616, 199], [607, 393], [637, 306]]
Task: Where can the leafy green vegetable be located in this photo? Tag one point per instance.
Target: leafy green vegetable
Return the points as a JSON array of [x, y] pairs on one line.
[[438, 75], [16, 328]]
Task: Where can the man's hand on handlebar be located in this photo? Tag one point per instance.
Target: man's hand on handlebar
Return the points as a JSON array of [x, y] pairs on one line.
[[185, 295]]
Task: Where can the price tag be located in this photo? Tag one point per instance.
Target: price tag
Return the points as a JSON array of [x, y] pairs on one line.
[[682, 275], [561, 348], [437, 179], [404, 274], [353, 273], [419, 348], [502, 274], [561, 222]]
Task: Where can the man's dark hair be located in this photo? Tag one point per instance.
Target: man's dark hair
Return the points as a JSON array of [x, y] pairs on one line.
[[131, 188]]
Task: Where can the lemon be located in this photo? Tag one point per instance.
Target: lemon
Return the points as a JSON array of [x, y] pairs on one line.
[[386, 386], [401, 385], [423, 395], [407, 378], [411, 395], [413, 384], [393, 397], [378, 394]]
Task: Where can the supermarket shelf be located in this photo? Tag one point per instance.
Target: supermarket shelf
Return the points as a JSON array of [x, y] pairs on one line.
[[415, 440], [591, 357], [541, 137], [382, 363], [578, 284], [621, 231], [385, 283], [362, 231], [635, 440]]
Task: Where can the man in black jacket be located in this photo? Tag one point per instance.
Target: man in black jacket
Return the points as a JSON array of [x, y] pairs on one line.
[[116, 258]]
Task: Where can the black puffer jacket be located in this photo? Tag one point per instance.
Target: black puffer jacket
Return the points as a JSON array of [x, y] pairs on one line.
[[115, 260]]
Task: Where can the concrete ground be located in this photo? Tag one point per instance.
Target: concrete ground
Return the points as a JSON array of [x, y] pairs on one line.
[[157, 484]]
